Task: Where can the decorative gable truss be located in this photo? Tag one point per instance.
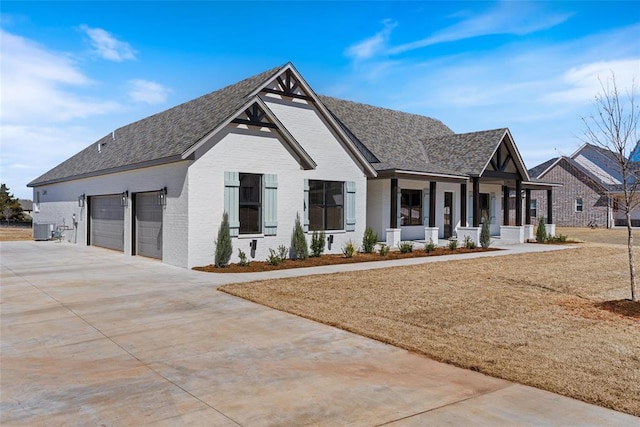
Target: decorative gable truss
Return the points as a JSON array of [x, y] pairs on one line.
[[288, 85], [506, 162]]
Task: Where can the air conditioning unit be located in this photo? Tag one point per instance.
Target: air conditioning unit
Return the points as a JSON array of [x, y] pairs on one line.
[[42, 231]]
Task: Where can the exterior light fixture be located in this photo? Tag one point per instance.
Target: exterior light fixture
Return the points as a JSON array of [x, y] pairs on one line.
[[81, 200], [162, 196], [124, 199]]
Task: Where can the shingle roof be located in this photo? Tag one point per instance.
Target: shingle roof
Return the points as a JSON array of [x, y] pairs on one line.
[[388, 139], [164, 135], [535, 171], [394, 138], [465, 153]]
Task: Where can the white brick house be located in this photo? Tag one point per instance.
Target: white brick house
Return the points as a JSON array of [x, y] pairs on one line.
[[264, 150]]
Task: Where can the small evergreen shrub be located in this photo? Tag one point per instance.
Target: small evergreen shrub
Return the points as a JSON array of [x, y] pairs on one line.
[[485, 235], [299, 246], [561, 238], [282, 252], [453, 243], [430, 246], [406, 247], [224, 248], [369, 240], [384, 250], [469, 243], [274, 258], [349, 249], [317, 243], [243, 258], [541, 232]]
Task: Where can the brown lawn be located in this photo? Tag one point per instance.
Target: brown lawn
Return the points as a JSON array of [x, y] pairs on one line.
[[615, 236], [12, 233], [537, 319]]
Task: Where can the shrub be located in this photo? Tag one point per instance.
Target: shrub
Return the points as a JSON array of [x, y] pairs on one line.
[[282, 252], [299, 246], [561, 238], [406, 247], [485, 235], [453, 243], [541, 233], [224, 248], [384, 250], [349, 249], [369, 240], [317, 243], [243, 258], [274, 258], [430, 247], [469, 243]]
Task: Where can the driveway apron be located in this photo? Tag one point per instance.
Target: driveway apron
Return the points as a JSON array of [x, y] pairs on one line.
[[91, 337]]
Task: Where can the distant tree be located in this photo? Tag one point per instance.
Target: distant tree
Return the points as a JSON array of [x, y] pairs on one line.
[[614, 127], [10, 208]]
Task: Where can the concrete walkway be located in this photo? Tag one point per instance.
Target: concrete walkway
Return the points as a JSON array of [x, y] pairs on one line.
[[90, 337]]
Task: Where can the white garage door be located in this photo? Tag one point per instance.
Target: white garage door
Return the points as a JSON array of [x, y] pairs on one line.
[[107, 222], [148, 225]]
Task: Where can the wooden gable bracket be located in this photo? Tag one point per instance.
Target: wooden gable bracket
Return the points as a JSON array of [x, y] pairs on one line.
[[255, 117], [498, 163], [288, 87]]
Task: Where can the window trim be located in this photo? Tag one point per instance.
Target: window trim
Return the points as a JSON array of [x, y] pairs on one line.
[[259, 204], [411, 207], [533, 208], [325, 206], [576, 205]]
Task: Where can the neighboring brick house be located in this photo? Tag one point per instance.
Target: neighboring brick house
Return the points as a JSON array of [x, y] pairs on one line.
[[591, 192]]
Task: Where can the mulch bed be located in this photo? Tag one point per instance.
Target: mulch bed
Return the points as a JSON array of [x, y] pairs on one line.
[[623, 307], [258, 266]]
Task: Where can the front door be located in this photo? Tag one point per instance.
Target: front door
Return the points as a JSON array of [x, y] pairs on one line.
[[448, 214]]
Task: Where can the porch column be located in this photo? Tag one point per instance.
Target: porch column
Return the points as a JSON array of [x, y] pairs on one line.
[[527, 206], [476, 201], [549, 207], [463, 204], [505, 205], [518, 203], [393, 220], [432, 203]]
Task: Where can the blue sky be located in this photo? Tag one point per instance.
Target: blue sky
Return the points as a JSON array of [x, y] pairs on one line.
[[71, 72]]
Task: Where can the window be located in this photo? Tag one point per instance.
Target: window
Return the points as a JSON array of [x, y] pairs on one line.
[[579, 204], [533, 208], [485, 212], [411, 207], [326, 205], [250, 212], [616, 205]]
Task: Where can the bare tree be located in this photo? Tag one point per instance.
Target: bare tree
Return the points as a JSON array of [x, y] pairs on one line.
[[614, 127]]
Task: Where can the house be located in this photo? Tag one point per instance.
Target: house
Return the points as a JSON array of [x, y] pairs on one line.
[[27, 208], [267, 149], [591, 192]]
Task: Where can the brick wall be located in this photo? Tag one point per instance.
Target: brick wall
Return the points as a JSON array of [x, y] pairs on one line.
[[575, 184]]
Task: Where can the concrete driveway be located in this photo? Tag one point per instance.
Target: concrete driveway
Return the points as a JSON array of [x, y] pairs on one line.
[[90, 337]]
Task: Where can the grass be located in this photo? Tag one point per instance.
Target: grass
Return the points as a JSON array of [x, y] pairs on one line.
[[536, 319], [8, 234], [614, 236]]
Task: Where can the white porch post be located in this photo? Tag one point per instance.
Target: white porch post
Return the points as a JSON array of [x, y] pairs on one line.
[[472, 232], [393, 237], [431, 234]]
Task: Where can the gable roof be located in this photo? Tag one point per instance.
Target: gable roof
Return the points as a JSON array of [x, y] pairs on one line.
[[393, 138], [159, 138], [536, 171]]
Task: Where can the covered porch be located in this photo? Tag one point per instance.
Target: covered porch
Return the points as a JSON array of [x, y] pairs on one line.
[[432, 207]]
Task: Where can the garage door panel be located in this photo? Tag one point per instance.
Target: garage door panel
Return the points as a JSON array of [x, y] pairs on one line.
[[107, 222], [148, 225]]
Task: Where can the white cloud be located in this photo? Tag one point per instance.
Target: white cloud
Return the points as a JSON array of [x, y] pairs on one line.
[[107, 46], [36, 84], [147, 92], [373, 45], [508, 17], [583, 83]]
